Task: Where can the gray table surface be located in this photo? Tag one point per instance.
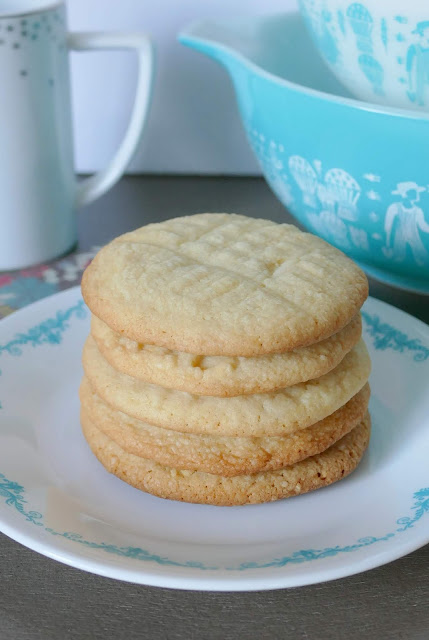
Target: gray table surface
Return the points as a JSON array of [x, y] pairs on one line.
[[42, 599]]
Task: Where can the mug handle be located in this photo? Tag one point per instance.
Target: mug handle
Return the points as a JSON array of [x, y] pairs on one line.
[[93, 187]]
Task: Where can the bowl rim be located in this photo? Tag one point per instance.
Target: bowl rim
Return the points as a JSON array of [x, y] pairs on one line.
[[187, 36]]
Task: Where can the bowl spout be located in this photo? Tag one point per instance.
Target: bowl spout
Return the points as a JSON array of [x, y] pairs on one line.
[[211, 38]]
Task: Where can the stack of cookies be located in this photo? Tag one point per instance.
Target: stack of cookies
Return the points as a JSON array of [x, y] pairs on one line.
[[225, 363]]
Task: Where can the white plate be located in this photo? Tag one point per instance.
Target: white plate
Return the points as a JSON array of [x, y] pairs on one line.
[[57, 499]]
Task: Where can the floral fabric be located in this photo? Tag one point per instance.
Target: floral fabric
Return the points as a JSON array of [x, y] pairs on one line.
[[20, 288]]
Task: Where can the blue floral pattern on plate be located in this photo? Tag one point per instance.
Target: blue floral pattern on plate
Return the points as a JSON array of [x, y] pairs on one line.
[[51, 332], [13, 494], [387, 337], [48, 332]]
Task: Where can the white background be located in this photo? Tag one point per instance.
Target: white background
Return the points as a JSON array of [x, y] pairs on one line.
[[193, 125]]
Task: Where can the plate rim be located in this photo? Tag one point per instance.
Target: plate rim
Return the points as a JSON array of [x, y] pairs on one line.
[[207, 581]]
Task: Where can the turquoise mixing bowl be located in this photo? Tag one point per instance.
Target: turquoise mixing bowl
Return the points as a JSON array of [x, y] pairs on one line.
[[352, 172]]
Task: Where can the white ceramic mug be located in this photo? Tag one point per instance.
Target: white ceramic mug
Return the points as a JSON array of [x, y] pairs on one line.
[[39, 193]]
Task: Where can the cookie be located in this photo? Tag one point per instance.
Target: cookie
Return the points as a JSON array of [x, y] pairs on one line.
[[223, 284], [205, 488], [223, 376], [266, 414], [221, 455]]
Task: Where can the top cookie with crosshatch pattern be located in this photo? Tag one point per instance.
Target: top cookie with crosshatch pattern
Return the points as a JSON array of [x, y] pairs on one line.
[[223, 284]]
